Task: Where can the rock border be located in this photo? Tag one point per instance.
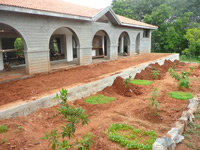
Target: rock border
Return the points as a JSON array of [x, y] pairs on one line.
[[174, 136]]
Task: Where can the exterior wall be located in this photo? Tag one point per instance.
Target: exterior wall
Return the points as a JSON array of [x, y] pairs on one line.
[[36, 31]]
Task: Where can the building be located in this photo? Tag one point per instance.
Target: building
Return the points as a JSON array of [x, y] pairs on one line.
[[55, 29]]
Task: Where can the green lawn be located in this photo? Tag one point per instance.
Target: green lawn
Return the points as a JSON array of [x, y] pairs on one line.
[[180, 95], [99, 99], [141, 82]]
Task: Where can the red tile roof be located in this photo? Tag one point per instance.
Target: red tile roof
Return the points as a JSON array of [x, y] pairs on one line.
[[63, 7], [134, 22], [58, 6]]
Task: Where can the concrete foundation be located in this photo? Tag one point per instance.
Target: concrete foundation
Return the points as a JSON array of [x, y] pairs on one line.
[[80, 91]]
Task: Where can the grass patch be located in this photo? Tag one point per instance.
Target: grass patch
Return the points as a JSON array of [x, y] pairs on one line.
[[99, 99], [187, 136], [197, 117], [3, 128], [190, 145], [180, 95], [141, 82], [131, 137], [192, 59]]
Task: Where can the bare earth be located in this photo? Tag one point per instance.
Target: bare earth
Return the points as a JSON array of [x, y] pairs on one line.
[[44, 84], [131, 108]]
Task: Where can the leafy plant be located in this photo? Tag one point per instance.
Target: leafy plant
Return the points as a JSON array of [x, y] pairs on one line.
[[154, 104], [155, 73], [3, 128], [141, 82], [183, 78], [18, 129], [73, 116], [99, 99], [127, 80], [131, 137], [180, 95]]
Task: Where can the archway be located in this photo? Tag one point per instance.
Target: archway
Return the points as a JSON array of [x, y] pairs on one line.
[[100, 45], [123, 44], [137, 46], [12, 48], [63, 45]]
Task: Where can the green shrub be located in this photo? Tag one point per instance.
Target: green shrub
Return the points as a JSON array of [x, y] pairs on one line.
[[99, 99], [3, 128], [180, 95], [132, 138], [141, 82], [73, 117]]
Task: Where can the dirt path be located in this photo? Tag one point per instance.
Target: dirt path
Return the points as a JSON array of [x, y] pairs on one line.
[[131, 109], [44, 84]]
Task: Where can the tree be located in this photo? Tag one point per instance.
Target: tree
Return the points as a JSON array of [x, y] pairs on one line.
[[18, 44], [193, 37]]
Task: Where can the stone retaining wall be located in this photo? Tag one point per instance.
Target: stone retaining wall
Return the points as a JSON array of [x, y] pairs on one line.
[[174, 136], [80, 91]]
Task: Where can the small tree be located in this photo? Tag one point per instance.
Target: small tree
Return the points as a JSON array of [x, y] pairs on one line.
[[73, 116], [154, 104]]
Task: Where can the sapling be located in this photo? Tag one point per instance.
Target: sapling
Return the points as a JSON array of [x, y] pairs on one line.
[[73, 116], [127, 81], [154, 104], [155, 73], [183, 78]]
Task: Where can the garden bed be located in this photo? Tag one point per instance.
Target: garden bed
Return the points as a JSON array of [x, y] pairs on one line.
[[128, 107]]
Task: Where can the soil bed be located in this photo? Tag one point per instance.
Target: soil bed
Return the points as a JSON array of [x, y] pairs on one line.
[[127, 108], [49, 83]]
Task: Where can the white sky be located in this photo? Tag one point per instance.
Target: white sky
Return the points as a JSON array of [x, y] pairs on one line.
[[92, 3]]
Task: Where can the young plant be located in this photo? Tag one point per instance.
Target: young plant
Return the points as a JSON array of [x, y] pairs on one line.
[[73, 116], [3, 128], [127, 80], [155, 73], [183, 78], [154, 104]]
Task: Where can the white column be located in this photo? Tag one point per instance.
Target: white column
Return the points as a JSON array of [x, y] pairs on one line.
[[103, 45], [1, 58], [121, 48], [69, 49]]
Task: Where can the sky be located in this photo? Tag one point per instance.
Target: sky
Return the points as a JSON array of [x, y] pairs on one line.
[[92, 3]]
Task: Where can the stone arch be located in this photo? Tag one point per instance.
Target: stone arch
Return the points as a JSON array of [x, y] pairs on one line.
[[137, 44], [124, 43], [67, 42], [8, 34], [101, 44]]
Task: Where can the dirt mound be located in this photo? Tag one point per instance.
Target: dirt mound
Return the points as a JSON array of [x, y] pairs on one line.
[[147, 74], [119, 88]]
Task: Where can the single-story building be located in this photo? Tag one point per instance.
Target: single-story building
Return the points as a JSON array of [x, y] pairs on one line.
[[55, 29]]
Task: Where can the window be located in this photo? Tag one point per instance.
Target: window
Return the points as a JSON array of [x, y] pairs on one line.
[[146, 33]]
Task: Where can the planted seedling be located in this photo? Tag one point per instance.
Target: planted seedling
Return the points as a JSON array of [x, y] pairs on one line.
[[73, 116], [154, 104], [3, 128], [183, 78], [155, 73], [126, 81], [127, 135]]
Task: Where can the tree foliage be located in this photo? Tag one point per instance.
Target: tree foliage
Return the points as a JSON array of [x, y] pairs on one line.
[[173, 18], [18, 44]]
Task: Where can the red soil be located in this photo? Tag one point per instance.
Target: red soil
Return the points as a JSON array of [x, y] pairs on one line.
[[133, 110], [48, 83]]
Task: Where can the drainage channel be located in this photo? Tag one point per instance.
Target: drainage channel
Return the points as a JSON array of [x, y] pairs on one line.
[[79, 91]]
